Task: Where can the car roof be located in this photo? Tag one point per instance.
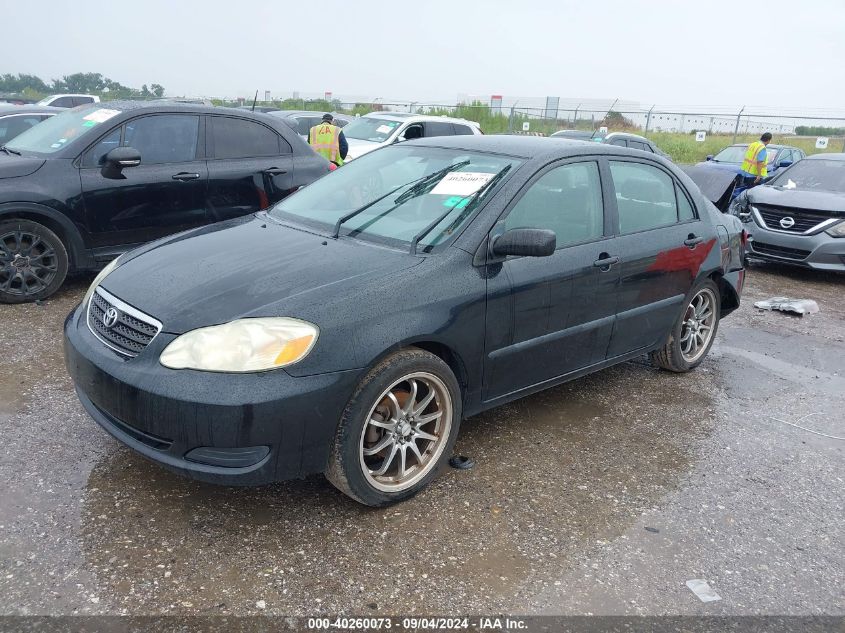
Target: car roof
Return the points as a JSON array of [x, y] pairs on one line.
[[519, 146], [416, 118], [627, 135], [837, 156], [769, 146], [315, 113], [28, 109], [69, 94]]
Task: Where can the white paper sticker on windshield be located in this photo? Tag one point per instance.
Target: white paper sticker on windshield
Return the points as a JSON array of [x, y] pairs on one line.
[[101, 115], [789, 184], [461, 183], [384, 129]]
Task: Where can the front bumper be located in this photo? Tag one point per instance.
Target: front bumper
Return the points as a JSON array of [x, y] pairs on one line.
[[232, 429], [820, 251]]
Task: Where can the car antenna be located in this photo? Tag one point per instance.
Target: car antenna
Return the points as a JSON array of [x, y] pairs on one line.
[[254, 100], [604, 119]]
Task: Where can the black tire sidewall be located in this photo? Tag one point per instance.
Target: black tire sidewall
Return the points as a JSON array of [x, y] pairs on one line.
[[61, 255], [345, 468]]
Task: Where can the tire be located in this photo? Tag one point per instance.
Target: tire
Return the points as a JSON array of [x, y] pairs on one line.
[[33, 261], [689, 343], [385, 417]]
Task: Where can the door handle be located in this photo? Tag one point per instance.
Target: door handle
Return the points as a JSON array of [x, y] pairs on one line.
[[185, 176], [605, 261], [692, 241], [275, 171]]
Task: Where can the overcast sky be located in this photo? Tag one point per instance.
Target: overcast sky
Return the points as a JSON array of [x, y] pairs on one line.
[[669, 52]]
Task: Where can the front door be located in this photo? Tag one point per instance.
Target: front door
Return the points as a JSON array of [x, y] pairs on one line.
[[662, 245], [551, 316], [162, 195], [250, 167]]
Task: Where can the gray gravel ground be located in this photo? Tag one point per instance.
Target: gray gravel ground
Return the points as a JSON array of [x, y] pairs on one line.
[[601, 496]]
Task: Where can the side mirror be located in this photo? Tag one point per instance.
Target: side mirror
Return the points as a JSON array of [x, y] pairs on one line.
[[784, 163], [524, 243], [118, 159], [709, 157]]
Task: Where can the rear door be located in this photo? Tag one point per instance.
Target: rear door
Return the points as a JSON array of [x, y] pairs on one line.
[[551, 316], [661, 243], [162, 195], [250, 167]]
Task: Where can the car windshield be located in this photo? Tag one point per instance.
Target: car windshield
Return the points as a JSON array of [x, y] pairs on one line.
[[406, 190], [370, 129], [732, 154], [56, 132], [813, 175]]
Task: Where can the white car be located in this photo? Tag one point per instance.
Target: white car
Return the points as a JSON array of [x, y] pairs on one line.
[[377, 129], [68, 101]]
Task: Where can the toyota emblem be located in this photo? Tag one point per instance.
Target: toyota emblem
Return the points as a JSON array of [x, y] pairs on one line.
[[787, 223], [110, 317]]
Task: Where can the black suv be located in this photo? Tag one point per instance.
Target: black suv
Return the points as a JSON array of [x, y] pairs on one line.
[[88, 184]]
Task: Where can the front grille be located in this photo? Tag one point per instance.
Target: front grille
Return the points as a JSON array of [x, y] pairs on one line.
[[128, 332], [779, 251], [804, 220]]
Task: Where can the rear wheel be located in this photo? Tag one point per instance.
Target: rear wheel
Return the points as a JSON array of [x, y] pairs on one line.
[[33, 261], [397, 429], [693, 333]]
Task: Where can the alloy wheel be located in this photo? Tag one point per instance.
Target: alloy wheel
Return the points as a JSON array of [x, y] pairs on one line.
[[697, 327], [405, 432], [28, 263]]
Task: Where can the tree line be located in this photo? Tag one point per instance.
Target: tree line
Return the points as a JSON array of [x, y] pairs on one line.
[[82, 83]]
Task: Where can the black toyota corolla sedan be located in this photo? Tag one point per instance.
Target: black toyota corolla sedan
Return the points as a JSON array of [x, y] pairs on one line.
[[349, 329], [88, 184]]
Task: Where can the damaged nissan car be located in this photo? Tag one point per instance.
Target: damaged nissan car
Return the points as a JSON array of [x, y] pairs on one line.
[[798, 217], [349, 329]]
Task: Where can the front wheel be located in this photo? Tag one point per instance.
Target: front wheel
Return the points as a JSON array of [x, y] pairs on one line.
[[33, 261], [397, 429], [693, 333]]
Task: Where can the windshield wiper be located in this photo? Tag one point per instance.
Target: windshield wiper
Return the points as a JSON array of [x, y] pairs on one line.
[[488, 186], [9, 151], [420, 185]]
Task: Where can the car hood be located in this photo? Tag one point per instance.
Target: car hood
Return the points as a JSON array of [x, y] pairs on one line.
[[17, 166], [732, 167], [246, 267], [827, 201], [358, 147]]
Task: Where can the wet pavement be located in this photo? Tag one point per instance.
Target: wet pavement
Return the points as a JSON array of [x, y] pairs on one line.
[[603, 496]]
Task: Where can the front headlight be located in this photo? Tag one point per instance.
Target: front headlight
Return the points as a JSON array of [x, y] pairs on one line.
[[837, 230], [244, 345], [98, 279]]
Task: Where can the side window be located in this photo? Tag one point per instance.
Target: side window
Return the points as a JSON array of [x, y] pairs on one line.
[[63, 102], [645, 196], [95, 155], [461, 129], [239, 138], [685, 211], [638, 145], [618, 141], [566, 200], [438, 128], [78, 101], [411, 132], [163, 138]]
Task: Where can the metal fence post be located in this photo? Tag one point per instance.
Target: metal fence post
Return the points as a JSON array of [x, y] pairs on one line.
[[648, 119], [510, 120], [736, 129], [575, 118]]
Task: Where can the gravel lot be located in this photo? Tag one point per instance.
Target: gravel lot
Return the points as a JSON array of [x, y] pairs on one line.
[[601, 496]]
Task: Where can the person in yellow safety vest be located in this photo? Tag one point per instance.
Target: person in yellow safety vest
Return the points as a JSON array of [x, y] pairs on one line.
[[328, 141], [754, 163]]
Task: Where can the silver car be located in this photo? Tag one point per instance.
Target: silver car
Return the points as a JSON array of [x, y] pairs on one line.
[[798, 217]]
